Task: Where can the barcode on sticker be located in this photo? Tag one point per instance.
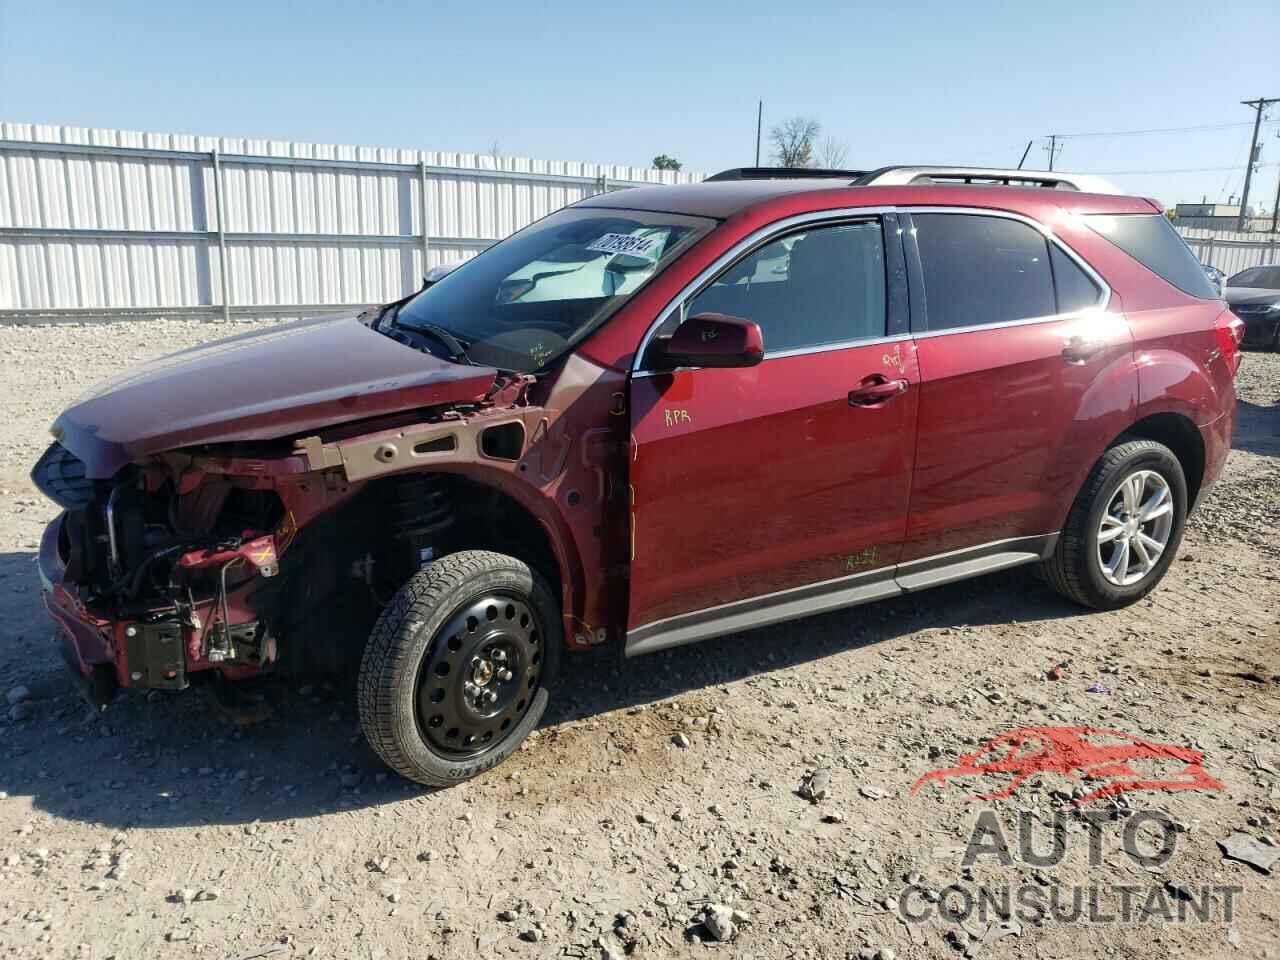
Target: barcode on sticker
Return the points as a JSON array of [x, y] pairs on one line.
[[625, 243]]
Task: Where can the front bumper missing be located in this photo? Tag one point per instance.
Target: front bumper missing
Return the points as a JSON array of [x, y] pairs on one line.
[[157, 653], [86, 641], [154, 654]]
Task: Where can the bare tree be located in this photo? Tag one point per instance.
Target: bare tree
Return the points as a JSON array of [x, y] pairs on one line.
[[832, 154], [793, 141]]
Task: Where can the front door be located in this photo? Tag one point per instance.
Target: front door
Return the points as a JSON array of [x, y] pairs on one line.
[[767, 492]]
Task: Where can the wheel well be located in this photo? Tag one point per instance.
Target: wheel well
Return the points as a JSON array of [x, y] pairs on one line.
[[347, 563], [488, 519], [480, 517], [1180, 435]]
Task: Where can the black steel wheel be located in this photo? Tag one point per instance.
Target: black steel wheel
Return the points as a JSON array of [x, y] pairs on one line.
[[478, 678], [457, 670]]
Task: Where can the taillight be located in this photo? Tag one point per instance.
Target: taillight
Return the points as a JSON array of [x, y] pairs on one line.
[[1229, 330]]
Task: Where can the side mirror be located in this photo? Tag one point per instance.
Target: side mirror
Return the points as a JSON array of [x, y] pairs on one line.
[[438, 273], [715, 340]]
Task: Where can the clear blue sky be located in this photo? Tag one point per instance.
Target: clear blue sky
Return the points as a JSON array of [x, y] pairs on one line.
[[922, 82]]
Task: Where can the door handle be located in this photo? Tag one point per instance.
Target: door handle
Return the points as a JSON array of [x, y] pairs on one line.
[[1082, 350], [875, 390]]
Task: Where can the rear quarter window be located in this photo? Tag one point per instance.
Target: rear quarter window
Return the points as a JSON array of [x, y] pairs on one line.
[[1151, 240]]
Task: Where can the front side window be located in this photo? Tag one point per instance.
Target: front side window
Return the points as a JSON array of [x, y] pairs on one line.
[[527, 300], [981, 270], [822, 286]]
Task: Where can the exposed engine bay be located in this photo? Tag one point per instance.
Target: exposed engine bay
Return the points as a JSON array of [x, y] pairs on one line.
[[188, 569]]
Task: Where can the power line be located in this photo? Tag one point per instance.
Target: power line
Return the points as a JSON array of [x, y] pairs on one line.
[[1155, 130], [1135, 173], [1229, 179]]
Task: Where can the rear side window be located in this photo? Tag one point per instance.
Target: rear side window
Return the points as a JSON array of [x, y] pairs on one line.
[[982, 270], [1151, 240]]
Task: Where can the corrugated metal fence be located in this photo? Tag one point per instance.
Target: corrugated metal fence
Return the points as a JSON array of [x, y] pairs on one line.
[[108, 223], [1229, 251]]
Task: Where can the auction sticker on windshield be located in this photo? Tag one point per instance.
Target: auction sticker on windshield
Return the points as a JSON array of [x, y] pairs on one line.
[[626, 243]]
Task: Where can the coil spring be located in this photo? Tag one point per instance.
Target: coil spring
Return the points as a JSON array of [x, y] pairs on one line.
[[421, 505]]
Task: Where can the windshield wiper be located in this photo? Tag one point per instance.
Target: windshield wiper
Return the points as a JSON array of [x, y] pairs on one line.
[[457, 349]]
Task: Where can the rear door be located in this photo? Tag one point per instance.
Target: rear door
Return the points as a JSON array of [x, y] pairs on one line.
[[763, 493], [1013, 342]]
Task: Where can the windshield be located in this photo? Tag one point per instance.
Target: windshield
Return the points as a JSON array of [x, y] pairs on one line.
[[1268, 278], [525, 301]]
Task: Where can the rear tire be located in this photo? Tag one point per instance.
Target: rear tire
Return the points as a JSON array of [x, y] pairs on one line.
[[459, 666], [1134, 500]]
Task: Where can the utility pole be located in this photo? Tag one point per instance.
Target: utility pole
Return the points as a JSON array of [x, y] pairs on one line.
[[1275, 210], [759, 119], [1052, 148], [1258, 106]]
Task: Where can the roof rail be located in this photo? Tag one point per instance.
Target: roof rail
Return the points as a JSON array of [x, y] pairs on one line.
[[783, 173], [986, 176]]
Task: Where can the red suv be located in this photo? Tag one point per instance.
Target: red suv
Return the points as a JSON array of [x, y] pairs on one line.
[[655, 416]]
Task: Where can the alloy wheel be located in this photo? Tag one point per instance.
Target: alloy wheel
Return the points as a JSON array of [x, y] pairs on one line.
[[1135, 528]]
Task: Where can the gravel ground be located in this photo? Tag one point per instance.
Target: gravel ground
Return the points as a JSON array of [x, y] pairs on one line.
[[661, 786]]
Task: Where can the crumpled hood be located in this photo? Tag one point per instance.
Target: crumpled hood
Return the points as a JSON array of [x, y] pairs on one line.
[[1235, 295], [259, 386]]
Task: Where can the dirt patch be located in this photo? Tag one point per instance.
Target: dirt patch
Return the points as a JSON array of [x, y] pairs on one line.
[[155, 830]]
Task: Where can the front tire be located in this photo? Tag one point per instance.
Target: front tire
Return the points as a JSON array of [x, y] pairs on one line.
[[1124, 528], [458, 668]]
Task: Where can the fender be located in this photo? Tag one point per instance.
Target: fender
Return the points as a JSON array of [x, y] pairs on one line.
[[567, 471], [1108, 407], [1170, 382], [1180, 365], [543, 507], [368, 456]]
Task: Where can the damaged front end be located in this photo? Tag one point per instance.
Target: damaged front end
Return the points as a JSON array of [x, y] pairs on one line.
[[149, 574], [199, 531], [188, 564]]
